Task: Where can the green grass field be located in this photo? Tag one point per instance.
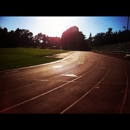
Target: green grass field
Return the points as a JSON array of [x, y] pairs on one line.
[[11, 58]]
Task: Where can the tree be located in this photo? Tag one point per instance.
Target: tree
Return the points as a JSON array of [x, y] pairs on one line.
[[99, 39], [4, 37], [108, 35], [124, 27], [73, 39], [26, 37], [90, 39]]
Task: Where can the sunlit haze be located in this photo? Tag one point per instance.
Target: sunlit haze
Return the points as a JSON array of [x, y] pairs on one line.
[[55, 26]]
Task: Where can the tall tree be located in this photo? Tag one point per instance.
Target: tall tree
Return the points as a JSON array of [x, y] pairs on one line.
[[108, 35], [73, 39], [90, 39]]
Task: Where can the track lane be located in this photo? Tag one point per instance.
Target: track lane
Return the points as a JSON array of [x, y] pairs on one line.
[[111, 95], [25, 77], [78, 87], [40, 91], [18, 83], [73, 104], [125, 65]]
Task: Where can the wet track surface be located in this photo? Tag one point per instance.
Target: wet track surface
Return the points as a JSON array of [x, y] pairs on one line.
[[83, 82]]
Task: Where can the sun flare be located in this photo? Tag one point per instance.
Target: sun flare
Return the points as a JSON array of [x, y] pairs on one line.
[[55, 26]]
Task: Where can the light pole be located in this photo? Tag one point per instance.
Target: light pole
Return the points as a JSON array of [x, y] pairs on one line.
[[128, 23], [127, 29]]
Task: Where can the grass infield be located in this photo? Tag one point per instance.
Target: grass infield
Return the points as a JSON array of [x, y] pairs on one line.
[[11, 58]]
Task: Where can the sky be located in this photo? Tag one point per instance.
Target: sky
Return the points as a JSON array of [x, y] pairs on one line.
[[55, 26]]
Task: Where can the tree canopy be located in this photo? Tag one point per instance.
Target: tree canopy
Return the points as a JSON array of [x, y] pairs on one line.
[[71, 39]]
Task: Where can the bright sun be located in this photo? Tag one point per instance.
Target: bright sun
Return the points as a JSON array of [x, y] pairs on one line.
[[55, 26]]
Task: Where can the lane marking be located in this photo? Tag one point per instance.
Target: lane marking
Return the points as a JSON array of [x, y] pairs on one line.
[[85, 93], [48, 91], [127, 80], [57, 66], [71, 75], [41, 80], [34, 79]]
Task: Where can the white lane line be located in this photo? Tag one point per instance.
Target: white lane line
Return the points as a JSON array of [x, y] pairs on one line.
[[85, 93], [38, 80], [71, 75], [127, 83], [48, 91], [57, 66], [34, 79], [126, 90]]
